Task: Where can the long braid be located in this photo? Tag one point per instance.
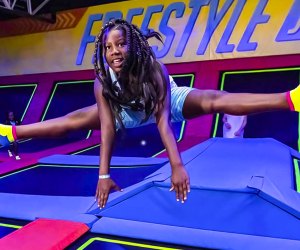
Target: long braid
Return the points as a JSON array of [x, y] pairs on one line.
[[139, 88]]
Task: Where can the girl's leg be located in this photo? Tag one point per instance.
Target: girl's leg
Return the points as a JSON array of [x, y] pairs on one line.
[[10, 150], [15, 148], [199, 102], [86, 118]]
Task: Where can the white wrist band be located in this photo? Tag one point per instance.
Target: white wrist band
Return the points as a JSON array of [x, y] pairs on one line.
[[104, 176]]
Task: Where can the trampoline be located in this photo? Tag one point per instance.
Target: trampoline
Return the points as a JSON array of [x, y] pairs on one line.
[[244, 202], [70, 180]]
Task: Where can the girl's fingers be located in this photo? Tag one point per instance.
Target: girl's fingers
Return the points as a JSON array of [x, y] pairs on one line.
[[172, 188], [105, 197], [117, 188], [188, 185], [96, 195], [99, 200], [185, 191], [176, 188], [181, 195], [102, 200]]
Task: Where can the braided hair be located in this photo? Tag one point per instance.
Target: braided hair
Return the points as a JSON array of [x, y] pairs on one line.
[[139, 87]]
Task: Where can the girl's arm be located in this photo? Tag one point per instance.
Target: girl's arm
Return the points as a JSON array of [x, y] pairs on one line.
[[107, 138], [180, 178]]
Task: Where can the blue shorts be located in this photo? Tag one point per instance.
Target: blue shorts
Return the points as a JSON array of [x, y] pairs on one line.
[[132, 119], [178, 96]]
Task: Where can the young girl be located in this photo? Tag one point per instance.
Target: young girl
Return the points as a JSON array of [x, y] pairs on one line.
[[133, 89]]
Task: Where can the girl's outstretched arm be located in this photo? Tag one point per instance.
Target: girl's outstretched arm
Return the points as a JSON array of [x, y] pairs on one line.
[[180, 178], [105, 183]]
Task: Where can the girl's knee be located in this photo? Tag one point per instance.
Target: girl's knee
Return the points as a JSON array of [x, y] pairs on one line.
[[73, 115], [213, 98]]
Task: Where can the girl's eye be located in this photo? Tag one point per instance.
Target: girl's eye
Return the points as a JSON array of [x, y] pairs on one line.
[[121, 44], [107, 47]]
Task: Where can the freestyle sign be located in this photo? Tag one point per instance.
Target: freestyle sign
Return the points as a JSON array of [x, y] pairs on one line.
[[186, 13]]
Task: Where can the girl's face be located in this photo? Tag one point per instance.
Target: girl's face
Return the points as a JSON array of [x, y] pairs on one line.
[[115, 48]]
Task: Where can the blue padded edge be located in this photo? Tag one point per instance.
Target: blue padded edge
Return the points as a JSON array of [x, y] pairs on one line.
[[30, 207], [158, 176], [230, 163], [209, 169], [256, 182], [283, 197], [295, 153], [189, 236], [93, 160], [118, 197], [186, 156]]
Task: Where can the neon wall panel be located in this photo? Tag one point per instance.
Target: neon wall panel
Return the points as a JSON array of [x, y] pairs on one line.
[[280, 125]]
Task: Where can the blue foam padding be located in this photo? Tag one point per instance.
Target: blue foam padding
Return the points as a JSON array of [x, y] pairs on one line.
[[69, 180], [230, 164], [285, 198], [30, 207], [295, 153], [213, 210], [91, 160], [160, 175], [242, 197], [4, 142], [240, 188], [187, 156], [117, 197], [189, 236]]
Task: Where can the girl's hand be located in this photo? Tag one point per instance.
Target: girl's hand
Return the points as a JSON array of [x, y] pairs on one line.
[[237, 133], [227, 125], [103, 189], [180, 183]]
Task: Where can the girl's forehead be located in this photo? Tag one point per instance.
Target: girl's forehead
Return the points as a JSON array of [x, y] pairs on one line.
[[113, 34]]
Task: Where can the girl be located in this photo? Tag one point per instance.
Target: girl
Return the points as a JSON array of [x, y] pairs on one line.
[[132, 89]]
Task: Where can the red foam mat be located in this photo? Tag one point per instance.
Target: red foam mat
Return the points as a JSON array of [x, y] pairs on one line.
[[44, 234]]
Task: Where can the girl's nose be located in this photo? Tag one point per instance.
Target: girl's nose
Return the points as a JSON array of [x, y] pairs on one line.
[[115, 50]]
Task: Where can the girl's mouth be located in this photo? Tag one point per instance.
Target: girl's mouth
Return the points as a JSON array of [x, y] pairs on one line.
[[117, 62]]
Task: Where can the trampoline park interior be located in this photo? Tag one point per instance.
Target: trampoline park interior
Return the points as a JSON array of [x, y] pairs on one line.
[[244, 192]]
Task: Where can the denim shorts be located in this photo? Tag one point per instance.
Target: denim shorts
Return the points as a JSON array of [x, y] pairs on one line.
[[178, 96]]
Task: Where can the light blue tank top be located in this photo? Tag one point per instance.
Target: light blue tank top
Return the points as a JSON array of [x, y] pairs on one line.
[[130, 118]]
